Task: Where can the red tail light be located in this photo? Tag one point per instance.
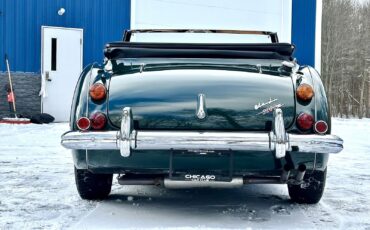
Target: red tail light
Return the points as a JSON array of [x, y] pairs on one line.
[[305, 121], [83, 123], [305, 92], [321, 127], [98, 91], [98, 120]]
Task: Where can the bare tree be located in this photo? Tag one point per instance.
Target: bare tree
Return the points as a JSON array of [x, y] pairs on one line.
[[346, 57]]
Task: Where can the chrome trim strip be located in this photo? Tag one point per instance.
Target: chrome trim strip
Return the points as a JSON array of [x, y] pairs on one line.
[[127, 139], [91, 140], [317, 143], [164, 140], [173, 184], [147, 140], [201, 111], [88, 90]]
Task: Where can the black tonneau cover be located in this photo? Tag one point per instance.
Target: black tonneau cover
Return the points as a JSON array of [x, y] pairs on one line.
[[117, 50]]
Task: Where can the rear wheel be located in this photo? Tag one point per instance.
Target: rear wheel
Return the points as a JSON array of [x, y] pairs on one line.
[[311, 191], [93, 186]]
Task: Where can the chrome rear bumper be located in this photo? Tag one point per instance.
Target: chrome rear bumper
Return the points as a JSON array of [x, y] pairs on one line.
[[128, 139]]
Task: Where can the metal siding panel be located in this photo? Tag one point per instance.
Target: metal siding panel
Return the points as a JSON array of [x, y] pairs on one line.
[[2, 35], [19, 39], [20, 23], [15, 41], [304, 30], [9, 31], [29, 62]]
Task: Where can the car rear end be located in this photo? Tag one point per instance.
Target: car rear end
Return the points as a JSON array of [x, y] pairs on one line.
[[161, 115]]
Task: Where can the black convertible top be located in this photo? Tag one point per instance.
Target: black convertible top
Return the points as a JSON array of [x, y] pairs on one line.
[[280, 51]]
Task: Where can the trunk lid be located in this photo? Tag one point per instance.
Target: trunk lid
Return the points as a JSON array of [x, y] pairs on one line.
[[168, 99]]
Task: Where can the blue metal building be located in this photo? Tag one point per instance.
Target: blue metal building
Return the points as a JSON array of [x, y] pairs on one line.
[[304, 31], [102, 21], [21, 21]]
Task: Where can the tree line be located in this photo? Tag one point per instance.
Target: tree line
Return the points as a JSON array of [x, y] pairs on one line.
[[346, 57]]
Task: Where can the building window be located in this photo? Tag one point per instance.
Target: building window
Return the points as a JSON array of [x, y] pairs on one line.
[[53, 54]]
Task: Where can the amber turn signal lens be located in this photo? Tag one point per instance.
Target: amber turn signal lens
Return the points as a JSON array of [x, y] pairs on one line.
[[98, 120], [305, 121], [83, 123], [305, 92], [321, 127], [98, 91]]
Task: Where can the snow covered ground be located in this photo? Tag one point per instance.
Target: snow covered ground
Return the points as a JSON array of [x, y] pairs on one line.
[[37, 191]]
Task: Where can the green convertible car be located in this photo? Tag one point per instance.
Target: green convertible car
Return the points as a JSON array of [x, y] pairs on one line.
[[167, 109]]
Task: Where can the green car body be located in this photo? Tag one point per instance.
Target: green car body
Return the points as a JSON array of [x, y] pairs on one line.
[[158, 162], [241, 95]]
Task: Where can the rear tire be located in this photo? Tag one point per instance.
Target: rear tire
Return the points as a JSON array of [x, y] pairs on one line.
[[312, 193], [93, 186]]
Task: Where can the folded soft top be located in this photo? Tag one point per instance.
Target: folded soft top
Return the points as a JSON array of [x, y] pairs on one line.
[[117, 50]]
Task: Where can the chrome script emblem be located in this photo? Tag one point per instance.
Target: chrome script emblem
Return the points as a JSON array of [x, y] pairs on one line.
[[201, 107], [270, 109], [260, 105]]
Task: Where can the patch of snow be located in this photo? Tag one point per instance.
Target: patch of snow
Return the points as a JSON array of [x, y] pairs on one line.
[[37, 191]]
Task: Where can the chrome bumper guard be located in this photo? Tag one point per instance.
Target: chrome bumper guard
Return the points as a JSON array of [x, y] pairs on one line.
[[128, 139]]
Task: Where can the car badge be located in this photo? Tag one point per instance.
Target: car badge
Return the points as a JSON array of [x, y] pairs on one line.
[[262, 104], [201, 107], [270, 109]]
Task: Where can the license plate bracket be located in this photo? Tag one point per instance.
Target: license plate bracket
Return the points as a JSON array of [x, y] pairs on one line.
[[221, 165]]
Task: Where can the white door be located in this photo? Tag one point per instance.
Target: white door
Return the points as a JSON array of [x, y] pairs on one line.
[[61, 66]]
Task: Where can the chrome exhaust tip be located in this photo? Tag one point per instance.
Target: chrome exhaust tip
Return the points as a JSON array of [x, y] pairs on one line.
[[139, 180], [301, 172], [286, 173]]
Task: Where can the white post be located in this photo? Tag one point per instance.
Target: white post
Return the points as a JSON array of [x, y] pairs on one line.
[[318, 35]]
